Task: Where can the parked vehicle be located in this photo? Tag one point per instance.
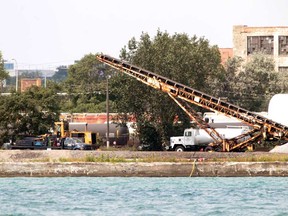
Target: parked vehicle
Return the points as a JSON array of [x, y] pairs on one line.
[[72, 143], [28, 142], [93, 133], [41, 142], [198, 139]]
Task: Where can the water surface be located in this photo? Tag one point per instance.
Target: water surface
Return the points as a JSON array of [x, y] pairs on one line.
[[144, 196]]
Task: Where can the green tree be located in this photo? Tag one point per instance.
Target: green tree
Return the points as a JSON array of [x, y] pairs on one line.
[[224, 85], [256, 83], [86, 85], [30, 113], [249, 85], [190, 61], [30, 74], [3, 73], [60, 74]]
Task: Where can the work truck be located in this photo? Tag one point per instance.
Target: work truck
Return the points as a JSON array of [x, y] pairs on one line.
[[196, 139]]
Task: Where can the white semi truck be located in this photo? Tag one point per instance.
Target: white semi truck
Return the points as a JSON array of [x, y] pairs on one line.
[[198, 139]]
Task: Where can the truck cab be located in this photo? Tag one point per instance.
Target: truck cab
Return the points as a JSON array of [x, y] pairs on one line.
[[189, 141]]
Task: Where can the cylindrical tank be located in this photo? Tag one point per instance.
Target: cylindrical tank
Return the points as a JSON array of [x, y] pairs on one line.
[[118, 133], [201, 137], [277, 108]]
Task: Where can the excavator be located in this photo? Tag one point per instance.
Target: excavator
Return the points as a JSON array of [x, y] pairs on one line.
[[262, 128]]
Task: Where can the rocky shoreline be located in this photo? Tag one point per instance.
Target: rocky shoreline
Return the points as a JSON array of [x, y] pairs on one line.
[[19, 163]]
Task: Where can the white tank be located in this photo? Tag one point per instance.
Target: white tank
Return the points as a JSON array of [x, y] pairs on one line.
[[214, 117], [201, 137], [278, 109]]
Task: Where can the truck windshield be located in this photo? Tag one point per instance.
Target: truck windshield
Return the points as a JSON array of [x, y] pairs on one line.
[[77, 140], [188, 133]]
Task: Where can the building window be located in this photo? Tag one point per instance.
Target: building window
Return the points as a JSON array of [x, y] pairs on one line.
[[263, 44], [8, 66], [283, 69], [283, 45]]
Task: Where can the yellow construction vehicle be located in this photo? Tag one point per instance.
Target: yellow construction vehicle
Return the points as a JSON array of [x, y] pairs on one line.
[[61, 129]]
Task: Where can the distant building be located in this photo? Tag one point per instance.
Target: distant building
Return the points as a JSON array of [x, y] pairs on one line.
[[9, 66], [225, 53], [272, 41], [27, 83]]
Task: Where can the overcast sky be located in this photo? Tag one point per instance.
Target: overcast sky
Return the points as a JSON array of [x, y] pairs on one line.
[[43, 33]]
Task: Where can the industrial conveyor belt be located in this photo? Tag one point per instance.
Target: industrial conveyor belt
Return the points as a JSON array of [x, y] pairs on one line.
[[258, 122]]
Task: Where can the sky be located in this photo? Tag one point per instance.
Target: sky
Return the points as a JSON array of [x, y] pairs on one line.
[[43, 34]]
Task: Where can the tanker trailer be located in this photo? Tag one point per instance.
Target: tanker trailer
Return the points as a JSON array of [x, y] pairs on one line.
[[118, 133]]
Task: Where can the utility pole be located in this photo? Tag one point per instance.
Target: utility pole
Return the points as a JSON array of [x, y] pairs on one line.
[[16, 74], [107, 111]]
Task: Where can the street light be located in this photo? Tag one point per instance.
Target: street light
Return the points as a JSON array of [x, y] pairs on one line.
[[45, 79], [16, 74], [102, 74]]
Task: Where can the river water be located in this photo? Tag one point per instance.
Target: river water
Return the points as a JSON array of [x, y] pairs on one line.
[[144, 196]]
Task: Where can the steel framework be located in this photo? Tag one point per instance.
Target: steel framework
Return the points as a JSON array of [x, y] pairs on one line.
[[261, 126]]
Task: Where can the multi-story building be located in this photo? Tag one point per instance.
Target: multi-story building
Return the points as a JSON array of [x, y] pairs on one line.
[[272, 41]]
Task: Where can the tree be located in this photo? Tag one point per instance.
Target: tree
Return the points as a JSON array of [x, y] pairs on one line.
[[249, 85], [223, 86], [3, 73], [190, 61], [86, 85], [30, 113], [255, 83], [61, 74], [30, 74]]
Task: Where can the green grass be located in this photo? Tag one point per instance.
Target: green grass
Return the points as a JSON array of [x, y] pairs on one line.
[[254, 158], [110, 159], [104, 158], [47, 159], [157, 158]]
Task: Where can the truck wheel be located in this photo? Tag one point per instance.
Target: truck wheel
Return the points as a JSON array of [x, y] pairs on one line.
[[209, 149], [179, 149]]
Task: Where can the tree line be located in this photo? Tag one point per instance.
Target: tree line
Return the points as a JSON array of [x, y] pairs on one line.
[[191, 61]]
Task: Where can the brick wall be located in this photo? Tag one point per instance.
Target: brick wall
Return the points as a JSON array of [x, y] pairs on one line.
[[27, 83]]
